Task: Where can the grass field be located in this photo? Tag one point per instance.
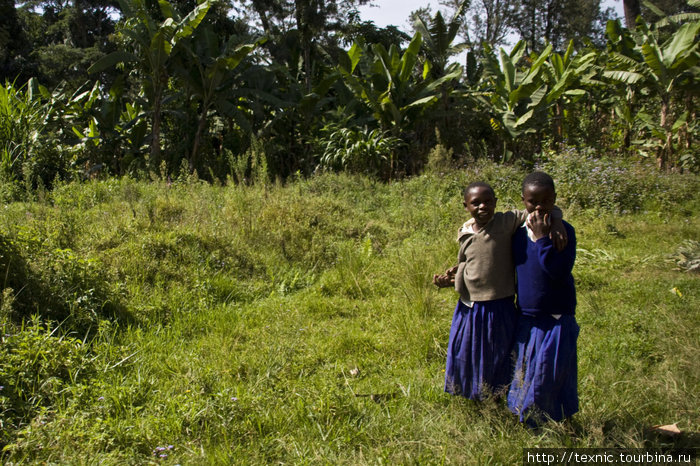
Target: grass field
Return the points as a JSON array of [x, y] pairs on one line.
[[298, 324]]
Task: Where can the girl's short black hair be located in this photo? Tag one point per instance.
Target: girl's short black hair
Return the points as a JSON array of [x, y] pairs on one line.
[[538, 179], [478, 184]]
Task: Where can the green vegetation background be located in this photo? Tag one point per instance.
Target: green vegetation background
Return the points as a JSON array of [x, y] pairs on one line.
[[188, 323]]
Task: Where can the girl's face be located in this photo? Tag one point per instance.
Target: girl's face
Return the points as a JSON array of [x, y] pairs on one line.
[[539, 198], [481, 204]]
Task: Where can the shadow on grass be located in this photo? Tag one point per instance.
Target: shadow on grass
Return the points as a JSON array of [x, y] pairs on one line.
[[66, 290]]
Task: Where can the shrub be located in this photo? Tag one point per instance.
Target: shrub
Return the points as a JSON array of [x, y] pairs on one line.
[[357, 150], [78, 291], [251, 166], [36, 367], [617, 185], [439, 159], [17, 284], [58, 285]]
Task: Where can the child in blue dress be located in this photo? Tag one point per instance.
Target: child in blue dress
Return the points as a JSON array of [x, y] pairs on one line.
[[544, 385], [484, 321]]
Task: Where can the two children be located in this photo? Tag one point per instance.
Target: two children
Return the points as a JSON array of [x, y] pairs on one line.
[[485, 323]]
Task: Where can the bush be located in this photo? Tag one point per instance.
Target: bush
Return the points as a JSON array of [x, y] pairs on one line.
[[78, 291], [58, 285], [357, 150], [17, 285], [36, 367], [615, 185]]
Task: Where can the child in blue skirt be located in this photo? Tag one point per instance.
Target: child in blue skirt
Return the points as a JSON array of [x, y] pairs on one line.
[[484, 321], [544, 385]]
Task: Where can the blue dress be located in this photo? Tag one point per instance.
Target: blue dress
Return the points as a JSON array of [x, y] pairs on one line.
[[479, 358], [544, 383]]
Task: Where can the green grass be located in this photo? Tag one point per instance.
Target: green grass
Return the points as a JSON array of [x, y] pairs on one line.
[[298, 324]]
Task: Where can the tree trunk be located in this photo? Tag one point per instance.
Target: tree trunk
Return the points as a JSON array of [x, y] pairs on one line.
[[201, 126], [155, 135], [632, 9], [558, 123], [666, 150], [302, 16]]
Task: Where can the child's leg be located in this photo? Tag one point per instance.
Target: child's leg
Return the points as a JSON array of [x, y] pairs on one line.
[[520, 394]]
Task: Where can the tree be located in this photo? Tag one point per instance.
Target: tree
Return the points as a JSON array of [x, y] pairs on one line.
[[64, 37], [513, 96], [387, 82], [371, 34], [438, 48], [149, 43], [542, 22], [11, 40], [661, 68], [438, 41], [209, 77], [485, 21], [564, 76], [314, 21]]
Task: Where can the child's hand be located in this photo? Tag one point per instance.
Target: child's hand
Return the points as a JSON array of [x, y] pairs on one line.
[[446, 279], [443, 280], [538, 222], [558, 234]]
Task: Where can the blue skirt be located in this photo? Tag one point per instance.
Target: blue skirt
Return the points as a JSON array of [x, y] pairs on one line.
[[479, 358], [544, 384]]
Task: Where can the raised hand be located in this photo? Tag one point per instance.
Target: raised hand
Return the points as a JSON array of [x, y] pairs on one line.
[[539, 223]]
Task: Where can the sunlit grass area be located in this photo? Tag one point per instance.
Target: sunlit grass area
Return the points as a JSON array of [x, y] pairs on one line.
[[185, 323]]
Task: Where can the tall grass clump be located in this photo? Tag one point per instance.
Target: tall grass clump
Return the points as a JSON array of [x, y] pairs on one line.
[[267, 323]]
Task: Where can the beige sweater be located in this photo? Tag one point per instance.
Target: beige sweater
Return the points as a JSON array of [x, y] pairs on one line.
[[485, 269]]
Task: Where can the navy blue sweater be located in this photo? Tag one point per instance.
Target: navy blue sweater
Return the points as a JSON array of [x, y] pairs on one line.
[[545, 283]]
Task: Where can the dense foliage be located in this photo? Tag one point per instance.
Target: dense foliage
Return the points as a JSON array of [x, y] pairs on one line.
[[177, 88]]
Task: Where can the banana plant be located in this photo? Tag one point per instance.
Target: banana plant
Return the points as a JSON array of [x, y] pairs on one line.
[[514, 96], [438, 47], [659, 69], [117, 128], [438, 41], [209, 73], [388, 84], [149, 46], [565, 75]]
